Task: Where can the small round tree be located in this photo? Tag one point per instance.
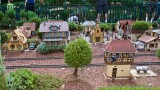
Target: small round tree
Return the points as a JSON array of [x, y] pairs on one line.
[[78, 54], [158, 53], [4, 37]]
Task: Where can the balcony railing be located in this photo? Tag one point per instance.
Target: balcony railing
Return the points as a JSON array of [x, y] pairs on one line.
[[60, 12]]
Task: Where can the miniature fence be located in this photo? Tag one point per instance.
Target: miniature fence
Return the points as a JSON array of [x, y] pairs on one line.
[[85, 12]]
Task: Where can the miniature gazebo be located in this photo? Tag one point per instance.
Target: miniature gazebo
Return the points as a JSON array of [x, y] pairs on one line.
[[119, 57]]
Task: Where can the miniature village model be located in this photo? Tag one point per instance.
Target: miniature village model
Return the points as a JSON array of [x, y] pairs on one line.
[[55, 32], [149, 40], [93, 30], [119, 56], [97, 34], [18, 41]]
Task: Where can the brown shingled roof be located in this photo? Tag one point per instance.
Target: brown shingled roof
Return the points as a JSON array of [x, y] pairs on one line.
[[146, 38], [120, 46]]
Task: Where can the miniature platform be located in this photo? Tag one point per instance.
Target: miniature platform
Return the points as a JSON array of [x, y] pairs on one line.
[[149, 73]]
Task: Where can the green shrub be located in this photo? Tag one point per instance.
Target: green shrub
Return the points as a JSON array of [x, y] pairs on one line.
[[4, 37], [1, 18], [3, 85], [154, 25], [35, 20], [23, 14], [31, 14], [39, 34], [158, 53], [20, 23], [9, 35], [11, 13], [1, 15], [104, 26], [23, 79], [43, 48], [80, 28], [158, 21], [46, 82], [141, 26], [13, 24], [73, 26], [6, 22]]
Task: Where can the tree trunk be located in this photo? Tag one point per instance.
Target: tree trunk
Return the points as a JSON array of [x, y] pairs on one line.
[[75, 72]]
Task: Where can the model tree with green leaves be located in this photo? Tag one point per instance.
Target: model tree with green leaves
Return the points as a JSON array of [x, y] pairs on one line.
[[3, 85], [77, 54], [158, 53]]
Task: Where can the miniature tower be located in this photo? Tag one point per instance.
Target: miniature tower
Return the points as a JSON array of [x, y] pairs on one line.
[[119, 57], [97, 34]]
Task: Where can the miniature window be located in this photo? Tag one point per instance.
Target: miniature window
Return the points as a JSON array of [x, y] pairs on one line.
[[22, 38], [97, 31], [156, 45], [60, 34], [151, 45], [147, 33], [14, 37], [12, 46], [113, 57], [19, 46], [28, 27]]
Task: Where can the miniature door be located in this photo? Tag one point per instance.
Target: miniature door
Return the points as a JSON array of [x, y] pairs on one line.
[[114, 72]]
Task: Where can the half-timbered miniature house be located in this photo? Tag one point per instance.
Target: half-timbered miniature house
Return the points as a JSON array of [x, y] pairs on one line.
[[119, 57], [150, 39], [96, 34], [124, 29], [55, 32], [88, 27], [18, 41], [30, 27]]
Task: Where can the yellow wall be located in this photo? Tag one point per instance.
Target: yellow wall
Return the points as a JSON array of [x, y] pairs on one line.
[[120, 73], [94, 35], [153, 42], [22, 46]]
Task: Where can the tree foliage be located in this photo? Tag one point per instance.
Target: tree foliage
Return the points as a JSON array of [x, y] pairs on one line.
[[4, 37], [23, 79], [158, 53], [141, 26], [78, 54]]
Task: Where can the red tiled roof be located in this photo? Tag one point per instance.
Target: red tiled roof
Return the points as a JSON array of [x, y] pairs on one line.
[[120, 46], [146, 38]]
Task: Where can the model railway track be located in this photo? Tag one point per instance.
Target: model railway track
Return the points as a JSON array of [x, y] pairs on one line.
[[66, 66], [49, 66], [61, 58]]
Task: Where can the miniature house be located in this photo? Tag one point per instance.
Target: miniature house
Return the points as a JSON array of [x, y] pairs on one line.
[[119, 57], [88, 27], [26, 32], [151, 40], [55, 32], [96, 34], [18, 41], [30, 27], [124, 29]]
